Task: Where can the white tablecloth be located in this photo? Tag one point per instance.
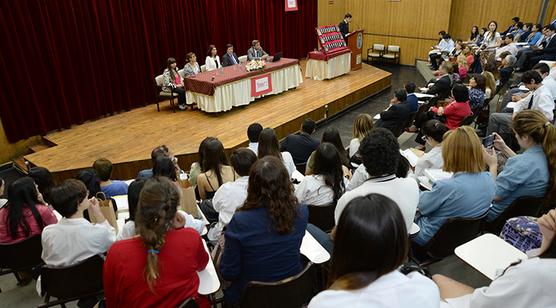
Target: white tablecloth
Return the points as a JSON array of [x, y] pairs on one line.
[[238, 93], [320, 70]]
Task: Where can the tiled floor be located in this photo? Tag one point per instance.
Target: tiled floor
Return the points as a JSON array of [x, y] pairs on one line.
[[14, 296]]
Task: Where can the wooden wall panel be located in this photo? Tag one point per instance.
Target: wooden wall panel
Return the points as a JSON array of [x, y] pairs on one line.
[[12, 150], [466, 13], [331, 12], [551, 12]]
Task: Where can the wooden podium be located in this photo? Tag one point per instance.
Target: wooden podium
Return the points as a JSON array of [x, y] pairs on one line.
[[355, 43]]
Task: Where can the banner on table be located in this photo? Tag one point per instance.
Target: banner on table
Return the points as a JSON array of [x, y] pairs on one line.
[[291, 5], [260, 85]]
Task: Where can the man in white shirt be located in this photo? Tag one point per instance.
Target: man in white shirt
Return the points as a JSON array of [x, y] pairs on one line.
[[381, 154], [539, 98], [231, 196], [253, 132], [510, 46], [73, 238]]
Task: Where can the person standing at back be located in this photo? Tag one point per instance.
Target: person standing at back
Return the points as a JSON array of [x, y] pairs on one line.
[[302, 144]]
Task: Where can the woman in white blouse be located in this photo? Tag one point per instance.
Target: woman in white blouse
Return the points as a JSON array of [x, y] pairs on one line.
[[268, 145], [327, 183], [529, 283], [433, 133], [212, 61], [370, 243], [492, 38]]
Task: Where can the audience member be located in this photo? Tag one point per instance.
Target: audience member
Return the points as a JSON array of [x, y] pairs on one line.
[[394, 118], [457, 110], [547, 79], [464, 61], [92, 183], [445, 46], [506, 71], [514, 288], [539, 98], [411, 99], [459, 195], [331, 135], [191, 67], [530, 173], [381, 154], [546, 50], [216, 169], [268, 145], [229, 58], [173, 82], [231, 196], [165, 166], [24, 215], [302, 144], [212, 60], [513, 26], [256, 52], [74, 239], [159, 267], [433, 133], [535, 35], [362, 125], [477, 86], [161, 150], [253, 132], [492, 37], [475, 35], [370, 245], [507, 45], [270, 225], [327, 183], [196, 167], [111, 188], [44, 181], [443, 84]]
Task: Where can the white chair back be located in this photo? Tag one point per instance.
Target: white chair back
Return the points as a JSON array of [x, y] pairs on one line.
[[203, 68], [243, 59], [378, 47], [393, 48], [159, 80], [182, 73]]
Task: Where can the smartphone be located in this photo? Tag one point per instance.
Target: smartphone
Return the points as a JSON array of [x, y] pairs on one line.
[[488, 141]]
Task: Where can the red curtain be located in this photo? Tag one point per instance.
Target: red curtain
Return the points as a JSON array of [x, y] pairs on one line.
[[68, 61]]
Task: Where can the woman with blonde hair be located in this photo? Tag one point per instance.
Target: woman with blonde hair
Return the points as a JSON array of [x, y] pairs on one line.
[[361, 127], [531, 173], [159, 267], [468, 193]]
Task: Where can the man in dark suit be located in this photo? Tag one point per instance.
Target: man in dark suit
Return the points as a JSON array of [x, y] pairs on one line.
[[396, 115], [549, 47], [344, 25], [443, 85], [302, 144], [230, 57]]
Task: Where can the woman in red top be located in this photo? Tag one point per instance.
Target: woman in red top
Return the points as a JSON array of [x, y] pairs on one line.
[[159, 266], [24, 215], [457, 110]]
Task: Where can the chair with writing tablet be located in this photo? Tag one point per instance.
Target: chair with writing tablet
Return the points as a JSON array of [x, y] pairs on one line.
[[20, 256]]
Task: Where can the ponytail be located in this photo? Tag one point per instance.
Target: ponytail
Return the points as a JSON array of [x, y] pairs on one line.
[[156, 211], [534, 124]]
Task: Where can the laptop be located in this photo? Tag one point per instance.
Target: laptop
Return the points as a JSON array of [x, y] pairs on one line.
[[277, 57]]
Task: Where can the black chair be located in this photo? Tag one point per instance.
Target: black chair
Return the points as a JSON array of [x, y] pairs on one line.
[[292, 292], [189, 303], [67, 284], [322, 216], [20, 256], [468, 120], [524, 206], [454, 232], [301, 167]]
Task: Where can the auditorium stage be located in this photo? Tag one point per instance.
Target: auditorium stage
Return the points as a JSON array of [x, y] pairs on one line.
[[128, 137]]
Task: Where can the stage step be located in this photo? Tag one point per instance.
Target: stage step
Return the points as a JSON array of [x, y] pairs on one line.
[[424, 70], [43, 144], [21, 164]]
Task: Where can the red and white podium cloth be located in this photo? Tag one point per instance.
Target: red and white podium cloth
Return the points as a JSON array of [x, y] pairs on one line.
[[322, 66], [222, 89]]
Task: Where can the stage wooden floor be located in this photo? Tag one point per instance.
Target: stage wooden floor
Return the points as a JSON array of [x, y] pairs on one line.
[[127, 138]]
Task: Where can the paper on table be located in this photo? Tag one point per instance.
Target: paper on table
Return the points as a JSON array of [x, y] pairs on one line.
[[423, 95], [377, 116], [313, 250], [437, 174], [523, 88], [208, 279], [298, 176], [410, 156], [511, 105], [121, 202], [424, 89]]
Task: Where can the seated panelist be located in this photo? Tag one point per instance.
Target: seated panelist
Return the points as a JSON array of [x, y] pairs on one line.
[[212, 61], [256, 52], [230, 57]]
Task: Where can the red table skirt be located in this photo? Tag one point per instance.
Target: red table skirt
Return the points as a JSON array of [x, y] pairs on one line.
[[206, 82], [318, 55]]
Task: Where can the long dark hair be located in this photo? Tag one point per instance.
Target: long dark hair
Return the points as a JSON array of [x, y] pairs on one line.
[[270, 187], [164, 166], [44, 181], [157, 208], [214, 158], [133, 192], [173, 72], [329, 165], [268, 144], [474, 34], [22, 194], [371, 241], [332, 135], [91, 181]]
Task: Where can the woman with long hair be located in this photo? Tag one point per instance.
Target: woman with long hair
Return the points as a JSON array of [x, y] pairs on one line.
[[361, 127], [269, 146], [159, 267], [477, 87], [216, 169], [327, 183], [212, 61], [528, 283], [270, 226], [331, 135], [45, 182], [196, 168], [370, 243], [474, 37], [467, 194], [531, 173], [492, 38], [173, 82], [24, 215]]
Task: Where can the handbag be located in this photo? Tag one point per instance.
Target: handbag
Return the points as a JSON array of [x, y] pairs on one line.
[[107, 210], [188, 202]]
